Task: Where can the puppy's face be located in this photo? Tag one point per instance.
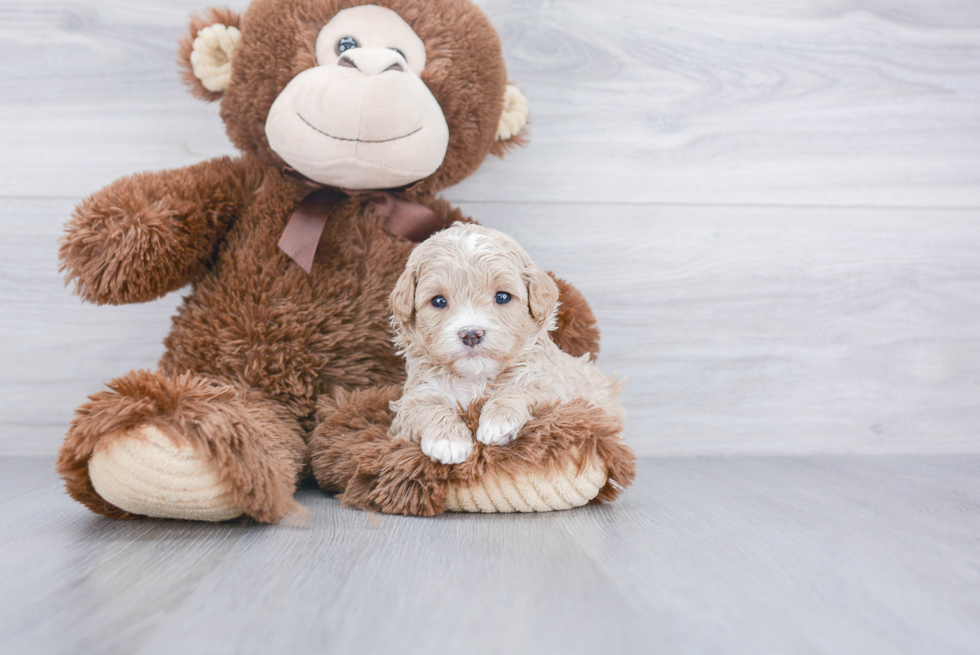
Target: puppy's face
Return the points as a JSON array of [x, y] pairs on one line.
[[471, 300]]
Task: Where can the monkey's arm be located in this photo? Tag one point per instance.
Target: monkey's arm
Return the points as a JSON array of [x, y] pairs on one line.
[[148, 234], [578, 332]]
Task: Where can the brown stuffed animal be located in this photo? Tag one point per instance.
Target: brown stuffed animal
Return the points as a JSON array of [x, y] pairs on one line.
[[326, 99]]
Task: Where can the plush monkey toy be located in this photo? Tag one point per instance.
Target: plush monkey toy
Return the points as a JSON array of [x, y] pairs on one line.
[[350, 117]]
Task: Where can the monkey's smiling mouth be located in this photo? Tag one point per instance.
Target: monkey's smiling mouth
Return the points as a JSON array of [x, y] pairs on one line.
[[340, 138]]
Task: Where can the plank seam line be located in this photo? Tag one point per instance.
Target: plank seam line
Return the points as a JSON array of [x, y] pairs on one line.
[[607, 203]]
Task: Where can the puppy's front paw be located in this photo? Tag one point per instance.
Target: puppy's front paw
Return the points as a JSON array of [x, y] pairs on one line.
[[496, 429], [447, 451], [448, 446]]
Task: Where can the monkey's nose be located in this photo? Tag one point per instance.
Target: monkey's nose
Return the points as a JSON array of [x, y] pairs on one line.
[[471, 336], [372, 61]]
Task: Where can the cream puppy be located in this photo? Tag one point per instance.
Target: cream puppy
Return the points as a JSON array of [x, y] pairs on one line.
[[471, 315]]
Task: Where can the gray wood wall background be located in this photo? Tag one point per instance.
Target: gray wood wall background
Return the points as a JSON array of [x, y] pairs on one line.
[[774, 208]]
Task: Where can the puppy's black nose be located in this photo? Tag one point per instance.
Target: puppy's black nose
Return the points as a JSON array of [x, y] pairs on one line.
[[471, 336]]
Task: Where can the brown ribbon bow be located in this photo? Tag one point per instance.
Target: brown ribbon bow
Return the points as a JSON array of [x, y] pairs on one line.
[[402, 216]]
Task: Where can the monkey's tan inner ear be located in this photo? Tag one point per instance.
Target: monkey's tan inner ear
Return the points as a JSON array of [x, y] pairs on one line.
[[211, 56], [516, 111]]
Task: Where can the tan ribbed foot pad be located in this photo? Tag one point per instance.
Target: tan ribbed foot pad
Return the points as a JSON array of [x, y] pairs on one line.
[[500, 492], [144, 472]]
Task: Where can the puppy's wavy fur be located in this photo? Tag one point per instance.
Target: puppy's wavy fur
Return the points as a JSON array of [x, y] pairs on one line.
[[471, 315]]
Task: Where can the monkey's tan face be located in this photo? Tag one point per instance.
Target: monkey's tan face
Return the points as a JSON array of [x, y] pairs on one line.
[[362, 118]]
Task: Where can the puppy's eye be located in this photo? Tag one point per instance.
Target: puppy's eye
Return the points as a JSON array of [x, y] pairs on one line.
[[502, 298], [401, 53], [439, 302], [345, 44]]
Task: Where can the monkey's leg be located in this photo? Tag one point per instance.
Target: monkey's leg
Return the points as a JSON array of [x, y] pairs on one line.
[[182, 447]]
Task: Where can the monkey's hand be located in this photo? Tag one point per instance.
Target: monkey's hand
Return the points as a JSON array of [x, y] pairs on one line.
[[148, 234], [577, 332]]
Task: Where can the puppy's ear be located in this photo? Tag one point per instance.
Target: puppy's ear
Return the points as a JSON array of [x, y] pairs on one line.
[[542, 294], [401, 302]]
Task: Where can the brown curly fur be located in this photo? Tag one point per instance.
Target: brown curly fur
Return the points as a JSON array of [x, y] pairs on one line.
[[146, 235], [257, 340], [351, 452], [577, 331]]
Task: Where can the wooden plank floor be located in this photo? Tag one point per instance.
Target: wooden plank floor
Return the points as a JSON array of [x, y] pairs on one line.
[[844, 554]]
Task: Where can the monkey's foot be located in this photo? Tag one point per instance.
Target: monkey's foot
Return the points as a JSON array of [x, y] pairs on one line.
[[145, 472]]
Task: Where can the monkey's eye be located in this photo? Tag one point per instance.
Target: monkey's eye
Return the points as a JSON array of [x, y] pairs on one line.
[[439, 302], [502, 298], [401, 53], [345, 44]]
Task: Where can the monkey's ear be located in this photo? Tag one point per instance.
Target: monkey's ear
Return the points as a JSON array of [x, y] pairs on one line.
[[206, 52], [401, 302], [542, 295], [510, 130]]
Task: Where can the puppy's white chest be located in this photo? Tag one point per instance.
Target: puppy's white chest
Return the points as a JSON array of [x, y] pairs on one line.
[[458, 390]]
